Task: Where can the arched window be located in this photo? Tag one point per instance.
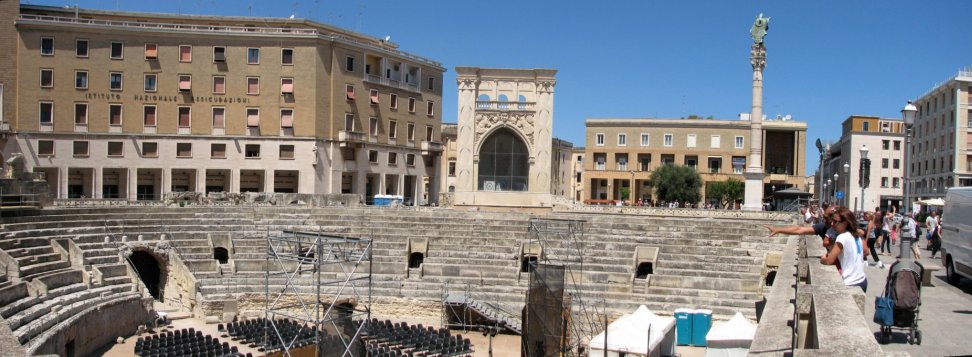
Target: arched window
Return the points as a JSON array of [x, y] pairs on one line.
[[522, 101], [504, 163], [503, 102], [482, 101]]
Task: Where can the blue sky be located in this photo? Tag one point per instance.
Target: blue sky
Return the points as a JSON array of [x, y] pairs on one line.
[[826, 60]]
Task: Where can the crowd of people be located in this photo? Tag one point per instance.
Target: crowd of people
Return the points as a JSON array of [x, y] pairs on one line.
[[851, 237]]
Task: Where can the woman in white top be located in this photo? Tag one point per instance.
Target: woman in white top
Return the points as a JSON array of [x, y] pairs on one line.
[[848, 251]]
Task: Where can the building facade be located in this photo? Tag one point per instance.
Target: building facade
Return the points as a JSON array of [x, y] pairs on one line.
[[941, 138], [884, 139], [577, 188], [123, 105], [621, 154]]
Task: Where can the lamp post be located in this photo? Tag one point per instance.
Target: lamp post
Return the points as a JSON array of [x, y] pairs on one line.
[[831, 187], [908, 116], [824, 191], [846, 185], [865, 174], [836, 185]]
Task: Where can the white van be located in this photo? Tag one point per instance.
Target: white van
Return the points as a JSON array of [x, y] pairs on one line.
[[957, 234]]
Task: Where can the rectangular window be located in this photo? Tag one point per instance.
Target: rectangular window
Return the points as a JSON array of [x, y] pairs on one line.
[[286, 152], [116, 149], [429, 133], [669, 140], [185, 82], [117, 51], [286, 118], [151, 84], [47, 78], [219, 54], [80, 149], [411, 131], [217, 151], [393, 101], [252, 85], [410, 159], [886, 144], [411, 105], [430, 108], [252, 117], [739, 142], [115, 114], [690, 141], [252, 56], [452, 169], [81, 80], [148, 117], [431, 82], [287, 56], [897, 145], [349, 92], [81, 48], [219, 118], [183, 149], [373, 156], [219, 85], [393, 158], [896, 163], [392, 129], [251, 151], [46, 113], [185, 117], [884, 182], [884, 163], [286, 86], [185, 53], [867, 126], [151, 51], [715, 142], [349, 64], [644, 139], [81, 113], [622, 139], [374, 96], [115, 81], [349, 122], [47, 46], [895, 182], [373, 126], [45, 148], [599, 139], [150, 149]]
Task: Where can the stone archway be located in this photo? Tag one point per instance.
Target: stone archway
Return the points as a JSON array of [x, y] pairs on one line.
[[151, 269]]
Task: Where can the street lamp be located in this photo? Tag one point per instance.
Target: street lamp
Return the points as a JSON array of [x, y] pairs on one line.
[[831, 187], [847, 186], [865, 174], [824, 191], [836, 183], [908, 116]]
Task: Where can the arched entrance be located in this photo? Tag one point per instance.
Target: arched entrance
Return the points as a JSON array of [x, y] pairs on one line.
[[504, 163], [149, 270]]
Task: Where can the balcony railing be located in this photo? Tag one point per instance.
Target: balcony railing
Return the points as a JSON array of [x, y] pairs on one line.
[[429, 147], [347, 137], [371, 78], [504, 106]]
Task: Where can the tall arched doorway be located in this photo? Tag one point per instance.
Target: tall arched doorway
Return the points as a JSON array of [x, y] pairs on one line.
[[504, 162], [149, 270]]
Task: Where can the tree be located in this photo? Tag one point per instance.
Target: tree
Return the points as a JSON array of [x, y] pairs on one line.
[[676, 183], [624, 191], [727, 192]]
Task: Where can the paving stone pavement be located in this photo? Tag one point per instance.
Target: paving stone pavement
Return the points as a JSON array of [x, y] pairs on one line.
[[945, 316]]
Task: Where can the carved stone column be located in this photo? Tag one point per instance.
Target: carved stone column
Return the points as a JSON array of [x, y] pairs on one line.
[[754, 168], [466, 132]]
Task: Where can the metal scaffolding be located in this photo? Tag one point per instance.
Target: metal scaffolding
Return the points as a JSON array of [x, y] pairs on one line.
[[561, 244], [322, 282]]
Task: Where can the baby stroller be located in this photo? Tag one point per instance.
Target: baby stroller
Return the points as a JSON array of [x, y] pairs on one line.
[[903, 286]]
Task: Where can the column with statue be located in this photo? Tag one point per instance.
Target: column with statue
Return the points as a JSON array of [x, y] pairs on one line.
[[754, 168]]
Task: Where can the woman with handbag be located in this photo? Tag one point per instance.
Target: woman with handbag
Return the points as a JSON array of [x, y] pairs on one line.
[[848, 250]]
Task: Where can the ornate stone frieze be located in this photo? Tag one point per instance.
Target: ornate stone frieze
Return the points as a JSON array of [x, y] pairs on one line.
[[757, 57], [521, 122]]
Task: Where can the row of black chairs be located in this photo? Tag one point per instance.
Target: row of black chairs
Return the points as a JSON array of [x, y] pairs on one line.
[[259, 333], [184, 342], [401, 339]]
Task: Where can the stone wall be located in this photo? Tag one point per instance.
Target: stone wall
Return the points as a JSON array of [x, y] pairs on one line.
[[96, 327]]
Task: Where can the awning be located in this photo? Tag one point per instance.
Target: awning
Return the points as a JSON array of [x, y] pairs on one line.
[[932, 202]]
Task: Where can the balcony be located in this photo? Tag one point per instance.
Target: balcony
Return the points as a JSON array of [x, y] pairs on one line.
[[374, 79], [351, 138], [504, 106], [429, 147]]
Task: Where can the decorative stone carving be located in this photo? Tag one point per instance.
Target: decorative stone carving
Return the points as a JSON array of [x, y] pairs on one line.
[[546, 86], [520, 122], [466, 83], [163, 248], [757, 57]]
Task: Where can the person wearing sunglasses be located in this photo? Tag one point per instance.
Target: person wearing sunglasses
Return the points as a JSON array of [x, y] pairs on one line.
[[848, 251]]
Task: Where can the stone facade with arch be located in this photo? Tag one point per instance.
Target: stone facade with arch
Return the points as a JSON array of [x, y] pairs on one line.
[[504, 154]]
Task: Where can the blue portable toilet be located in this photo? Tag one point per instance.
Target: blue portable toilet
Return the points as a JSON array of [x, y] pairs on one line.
[[683, 326], [701, 323]]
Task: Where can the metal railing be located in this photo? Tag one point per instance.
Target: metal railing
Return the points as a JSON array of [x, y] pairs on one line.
[[504, 105]]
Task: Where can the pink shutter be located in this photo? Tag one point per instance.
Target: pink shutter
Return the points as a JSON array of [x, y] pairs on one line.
[[351, 93], [374, 97], [287, 86], [253, 86], [185, 83], [151, 51], [252, 118], [219, 120], [185, 53], [184, 117], [219, 85], [287, 119], [149, 116]]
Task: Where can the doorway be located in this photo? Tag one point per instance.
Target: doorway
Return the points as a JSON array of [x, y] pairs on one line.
[[149, 270]]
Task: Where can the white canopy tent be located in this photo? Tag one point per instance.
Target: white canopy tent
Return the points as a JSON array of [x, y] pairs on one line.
[[932, 202], [629, 335], [731, 338]]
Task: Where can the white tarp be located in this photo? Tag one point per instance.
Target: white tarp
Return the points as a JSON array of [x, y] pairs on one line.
[[731, 338], [933, 202], [629, 334]]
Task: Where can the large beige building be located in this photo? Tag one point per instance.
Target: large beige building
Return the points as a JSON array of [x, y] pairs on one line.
[[622, 153], [884, 139], [941, 138], [122, 105]]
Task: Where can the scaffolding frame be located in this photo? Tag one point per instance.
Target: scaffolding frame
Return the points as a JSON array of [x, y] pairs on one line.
[[566, 236], [336, 264]]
